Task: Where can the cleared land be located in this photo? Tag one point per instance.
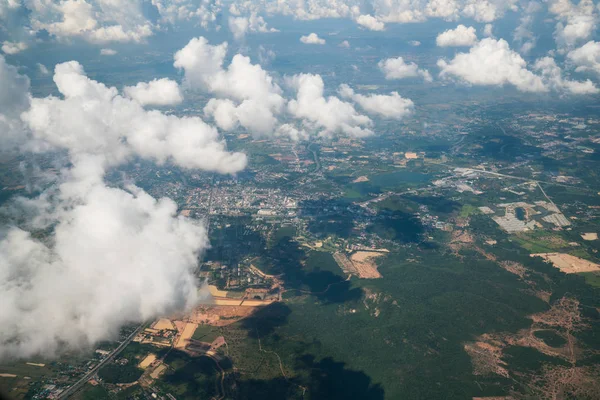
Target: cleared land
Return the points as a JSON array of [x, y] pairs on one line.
[[590, 236], [150, 358], [156, 373], [36, 364], [364, 262], [163, 324], [360, 264], [215, 292], [186, 335], [569, 264], [219, 315]]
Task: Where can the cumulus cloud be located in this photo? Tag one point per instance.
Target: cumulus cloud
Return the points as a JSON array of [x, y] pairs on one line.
[[553, 77], [248, 94], [492, 62], [43, 70], [460, 36], [114, 255], [160, 92], [14, 99], [397, 68], [97, 22], [576, 22], [254, 23], [488, 30], [107, 52], [345, 44], [117, 257], [586, 58], [266, 56], [524, 32], [389, 106], [370, 22], [205, 12], [103, 21], [13, 47], [75, 123], [312, 38], [484, 10], [328, 115], [418, 11]]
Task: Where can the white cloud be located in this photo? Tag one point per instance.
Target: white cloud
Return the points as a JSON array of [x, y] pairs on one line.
[[370, 22], [113, 255], [308, 10], [397, 68], [488, 30], [553, 77], [266, 56], [104, 21], [160, 92], [107, 52], [13, 47], [345, 44], [481, 10], [239, 26], [586, 58], [76, 123], [312, 39], [460, 36], [492, 62], [206, 12], [14, 100], [403, 11], [446, 9], [576, 23], [116, 257], [43, 70], [414, 43], [255, 99], [389, 106], [101, 21], [328, 115], [523, 34]]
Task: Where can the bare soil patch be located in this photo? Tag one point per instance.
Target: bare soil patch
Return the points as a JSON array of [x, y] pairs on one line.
[[569, 264], [364, 264], [186, 335], [361, 179], [149, 359]]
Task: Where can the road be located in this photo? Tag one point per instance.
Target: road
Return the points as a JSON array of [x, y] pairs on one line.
[[68, 392], [483, 171], [315, 157]]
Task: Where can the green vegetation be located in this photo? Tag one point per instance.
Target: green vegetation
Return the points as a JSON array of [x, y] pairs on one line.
[[592, 278], [93, 392], [398, 226], [551, 338], [527, 359], [206, 333], [132, 392], [282, 233], [467, 210], [190, 378], [541, 242], [115, 373]]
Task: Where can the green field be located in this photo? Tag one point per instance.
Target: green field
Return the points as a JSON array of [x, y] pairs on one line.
[[206, 333], [592, 278]]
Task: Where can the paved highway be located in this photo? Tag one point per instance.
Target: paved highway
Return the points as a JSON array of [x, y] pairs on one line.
[[68, 392]]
